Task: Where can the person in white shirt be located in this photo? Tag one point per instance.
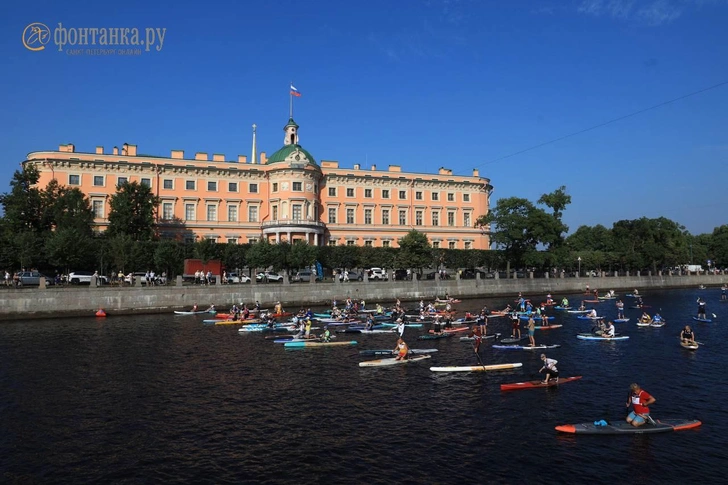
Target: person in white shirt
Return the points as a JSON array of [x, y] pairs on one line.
[[609, 330], [549, 365]]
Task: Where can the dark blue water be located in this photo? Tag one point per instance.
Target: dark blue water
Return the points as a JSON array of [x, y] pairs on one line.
[[165, 399]]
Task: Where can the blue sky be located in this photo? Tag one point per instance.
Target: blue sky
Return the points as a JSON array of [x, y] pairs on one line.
[[423, 84]]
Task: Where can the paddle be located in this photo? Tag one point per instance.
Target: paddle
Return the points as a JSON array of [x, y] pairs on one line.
[[478, 356]]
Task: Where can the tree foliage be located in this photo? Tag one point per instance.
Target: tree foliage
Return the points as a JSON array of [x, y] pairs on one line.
[[132, 212]]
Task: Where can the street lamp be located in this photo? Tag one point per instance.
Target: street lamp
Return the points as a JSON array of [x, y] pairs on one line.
[[579, 259]]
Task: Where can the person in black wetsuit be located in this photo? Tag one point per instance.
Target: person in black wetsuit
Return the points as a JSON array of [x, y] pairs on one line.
[[701, 309]]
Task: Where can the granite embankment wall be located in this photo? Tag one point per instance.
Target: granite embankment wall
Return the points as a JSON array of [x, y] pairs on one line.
[[85, 300]]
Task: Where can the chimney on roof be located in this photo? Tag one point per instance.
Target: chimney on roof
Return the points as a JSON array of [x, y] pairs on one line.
[[476, 172], [115, 151], [125, 149], [99, 150], [178, 154], [374, 167], [356, 166]]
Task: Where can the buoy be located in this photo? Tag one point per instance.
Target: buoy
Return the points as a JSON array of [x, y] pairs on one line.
[[101, 313]]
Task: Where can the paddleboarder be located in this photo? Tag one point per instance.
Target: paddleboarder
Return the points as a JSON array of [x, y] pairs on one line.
[[620, 309], [687, 336], [401, 350], [701, 309], [723, 290], [608, 331], [549, 365], [640, 400], [477, 336], [515, 327], [326, 336], [531, 330]]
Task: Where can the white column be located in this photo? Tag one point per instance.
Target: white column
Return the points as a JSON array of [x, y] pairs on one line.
[[278, 237], [289, 237]]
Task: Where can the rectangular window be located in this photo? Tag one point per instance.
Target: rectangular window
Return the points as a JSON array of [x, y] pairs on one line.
[[189, 185], [121, 181], [296, 212], [418, 195], [435, 218], [275, 212], [253, 188], [451, 245], [98, 180], [211, 213], [233, 213], [189, 212], [252, 240], [368, 243], [385, 194], [367, 216], [350, 242], [167, 211], [146, 182], [74, 180], [368, 193], [275, 186], [332, 215], [466, 219], [385, 216], [435, 196], [253, 213], [385, 244], [232, 186], [402, 218], [168, 184], [332, 242], [211, 238], [436, 244], [350, 216], [298, 186], [468, 245], [450, 197], [350, 192], [212, 186], [232, 240], [450, 218], [332, 191], [402, 194], [466, 197], [418, 218], [99, 209]]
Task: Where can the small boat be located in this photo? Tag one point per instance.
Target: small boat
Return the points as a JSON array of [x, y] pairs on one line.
[[623, 427], [477, 368], [590, 336], [392, 361], [704, 320], [536, 384], [189, 313]]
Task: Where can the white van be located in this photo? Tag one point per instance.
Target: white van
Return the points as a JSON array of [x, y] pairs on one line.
[[378, 274]]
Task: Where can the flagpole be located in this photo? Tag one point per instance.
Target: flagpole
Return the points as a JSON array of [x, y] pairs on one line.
[[290, 95]]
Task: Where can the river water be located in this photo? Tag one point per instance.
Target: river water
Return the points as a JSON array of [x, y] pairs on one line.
[[167, 399]]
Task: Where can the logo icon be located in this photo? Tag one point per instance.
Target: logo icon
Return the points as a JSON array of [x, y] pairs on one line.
[[36, 36]]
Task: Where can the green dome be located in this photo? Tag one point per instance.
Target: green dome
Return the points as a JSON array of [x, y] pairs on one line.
[[291, 153]]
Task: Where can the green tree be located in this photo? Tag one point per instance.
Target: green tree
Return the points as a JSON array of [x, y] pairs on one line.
[[260, 256], [23, 206], [168, 258], [302, 255], [65, 207], [132, 212], [415, 250], [121, 250], [206, 250], [70, 249]]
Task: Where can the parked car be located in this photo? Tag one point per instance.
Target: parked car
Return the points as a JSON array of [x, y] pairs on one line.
[[268, 277], [443, 275], [376, 274], [471, 274], [84, 278], [32, 278], [400, 274], [353, 275], [304, 276], [237, 278]]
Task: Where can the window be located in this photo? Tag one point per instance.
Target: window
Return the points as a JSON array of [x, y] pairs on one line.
[[275, 212], [450, 197], [275, 186], [332, 242], [98, 209], [466, 219], [402, 194], [450, 218], [232, 213], [211, 213], [435, 196], [385, 194], [350, 216], [350, 242], [367, 216], [168, 184], [466, 197], [74, 180], [252, 240], [189, 212], [296, 212], [167, 211], [189, 239], [297, 186], [332, 191], [121, 181], [418, 195], [232, 240], [368, 243], [253, 213], [436, 244], [385, 216], [189, 185], [368, 193], [211, 238], [332, 215], [468, 245], [435, 218], [253, 188], [232, 186], [212, 186], [418, 218], [98, 180], [146, 182], [451, 245], [350, 192], [385, 244], [402, 218]]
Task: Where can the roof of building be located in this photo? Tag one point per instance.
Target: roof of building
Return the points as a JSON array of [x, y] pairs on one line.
[[291, 153], [291, 123]]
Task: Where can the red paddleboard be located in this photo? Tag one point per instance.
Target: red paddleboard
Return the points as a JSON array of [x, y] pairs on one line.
[[535, 384], [547, 327], [453, 330], [592, 301]]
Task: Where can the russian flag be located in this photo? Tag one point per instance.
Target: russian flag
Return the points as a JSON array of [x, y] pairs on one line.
[[295, 91]]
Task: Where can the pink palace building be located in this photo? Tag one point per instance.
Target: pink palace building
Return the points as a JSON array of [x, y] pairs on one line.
[[288, 196]]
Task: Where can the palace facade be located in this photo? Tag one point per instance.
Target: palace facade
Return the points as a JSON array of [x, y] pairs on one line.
[[285, 197]]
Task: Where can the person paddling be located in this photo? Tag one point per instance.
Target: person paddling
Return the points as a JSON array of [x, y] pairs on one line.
[[531, 330], [402, 350], [549, 365], [687, 336], [640, 400], [701, 309]]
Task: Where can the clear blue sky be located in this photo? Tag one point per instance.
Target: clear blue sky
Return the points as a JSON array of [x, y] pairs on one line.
[[418, 83]]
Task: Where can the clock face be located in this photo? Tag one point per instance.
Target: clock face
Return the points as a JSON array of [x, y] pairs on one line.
[[309, 187]]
